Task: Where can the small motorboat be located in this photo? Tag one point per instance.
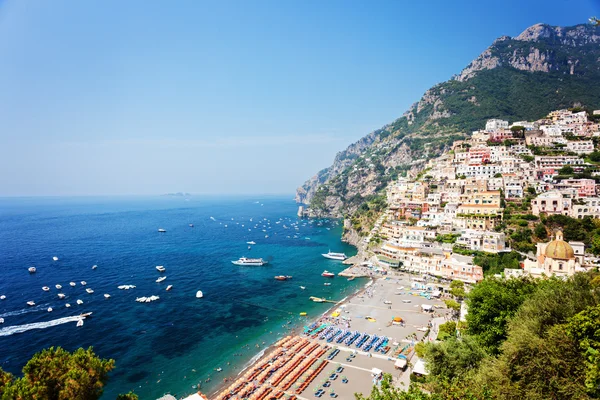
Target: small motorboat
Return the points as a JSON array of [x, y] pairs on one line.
[[282, 277], [72, 283], [107, 296], [303, 314], [46, 289], [327, 284], [55, 258], [31, 303], [160, 268], [252, 242], [1, 320], [94, 266], [90, 291], [191, 225], [199, 294], [302, 287], [79, 302], [58, 287], [80, 322], [67, 305], [2, 297], [61, 295], [328, 274], [161, 230], [49, 309], [162, 278], [169, 288], [31, 270], [83, 283], [85, 315]]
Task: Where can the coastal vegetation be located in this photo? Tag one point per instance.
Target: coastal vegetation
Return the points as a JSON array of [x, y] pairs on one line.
[[56, 374], [523, 338]]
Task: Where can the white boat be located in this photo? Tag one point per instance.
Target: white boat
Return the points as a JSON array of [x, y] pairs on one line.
[[160, 268], [251, 242], [251, 262], [80, 322], [46, 289], [90, 291], [2, 297], [162, 278], [328, 274], [31, 270], [58, 287], [72, 283], [191, 225], [83, 283], [55, 258], [80, 302], [94, 266], [199, 294], [107, 296], [61, 295], [1, 320], [302, 287], [161, 230], [31, 303], [327, 284], [126, 287], [335, 256], [169, 287], [49, 309], [67, 305]]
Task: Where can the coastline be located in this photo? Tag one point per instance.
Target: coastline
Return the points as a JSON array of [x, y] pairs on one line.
[[296, 331]]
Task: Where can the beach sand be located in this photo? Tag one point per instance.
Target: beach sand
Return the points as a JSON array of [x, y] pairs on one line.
[[367, 302]]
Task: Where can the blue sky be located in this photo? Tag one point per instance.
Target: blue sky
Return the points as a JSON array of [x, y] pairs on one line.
[[148, 97]]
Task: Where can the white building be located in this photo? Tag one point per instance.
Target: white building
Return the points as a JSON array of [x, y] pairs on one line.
[[494, 125], [581, 147], [551, 203]]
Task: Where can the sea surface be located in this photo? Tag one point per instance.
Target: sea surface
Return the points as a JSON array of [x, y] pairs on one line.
[[178, 341]]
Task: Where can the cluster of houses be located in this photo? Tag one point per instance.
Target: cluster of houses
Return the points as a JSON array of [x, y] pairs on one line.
[[460, 197]]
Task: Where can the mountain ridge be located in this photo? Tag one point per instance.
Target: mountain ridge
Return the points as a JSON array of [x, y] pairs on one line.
[[522, 78]]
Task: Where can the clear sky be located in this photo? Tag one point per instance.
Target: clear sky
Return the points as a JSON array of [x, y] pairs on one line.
[[149, 97]]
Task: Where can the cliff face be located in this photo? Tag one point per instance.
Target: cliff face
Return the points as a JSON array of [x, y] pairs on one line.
[[521, 78]]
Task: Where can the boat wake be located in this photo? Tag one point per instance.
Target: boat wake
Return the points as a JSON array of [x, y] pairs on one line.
[[41, 307], [11, 330]]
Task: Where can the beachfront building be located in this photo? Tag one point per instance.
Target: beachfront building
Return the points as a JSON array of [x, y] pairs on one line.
[[556, 258]]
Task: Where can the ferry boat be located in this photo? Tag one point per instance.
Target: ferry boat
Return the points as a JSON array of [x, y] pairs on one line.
[[253, 262], [283, 277], [335, 256], [328, 274]]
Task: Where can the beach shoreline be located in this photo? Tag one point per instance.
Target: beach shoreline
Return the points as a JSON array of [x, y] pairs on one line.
[[296, 331]]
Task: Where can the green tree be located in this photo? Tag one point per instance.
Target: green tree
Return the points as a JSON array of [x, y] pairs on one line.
[[540, 231], [453, 358], [457, 289], [566, 170], [492, 303], [584, 329], [127, 396], [387, 391], [56, 374], [447, 330]]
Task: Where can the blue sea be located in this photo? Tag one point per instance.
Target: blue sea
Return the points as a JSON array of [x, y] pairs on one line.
[[172, 344]]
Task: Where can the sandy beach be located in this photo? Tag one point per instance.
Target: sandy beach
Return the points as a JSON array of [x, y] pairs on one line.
[[301, 364]]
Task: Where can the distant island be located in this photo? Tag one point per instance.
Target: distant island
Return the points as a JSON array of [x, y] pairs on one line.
[[178, 194]]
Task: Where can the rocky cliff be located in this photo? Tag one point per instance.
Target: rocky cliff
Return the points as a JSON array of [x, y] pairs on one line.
[[521, 78]]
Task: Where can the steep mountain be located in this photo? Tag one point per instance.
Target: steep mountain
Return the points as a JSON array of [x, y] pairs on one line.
[[522, 78]]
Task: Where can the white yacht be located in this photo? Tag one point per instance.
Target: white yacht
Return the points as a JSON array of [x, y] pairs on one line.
[[80, 322], [335, 256], [80, 302], [94, 266], [49, 309], [252, 242], [169, 287], [83, 283], [160, 268], [162, 230], [46, 289], [90, 291], [1, 320], [67, 305], [55, 258], [162, 278], [61, 295], [302, 287], [253, 262], [58, 287], [2, 297], [107, 296], [31, 303], [72, 283], [31, 270], [199, 294]]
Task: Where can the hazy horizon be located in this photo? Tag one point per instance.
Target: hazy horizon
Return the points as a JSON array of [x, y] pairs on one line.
[[235, 98]]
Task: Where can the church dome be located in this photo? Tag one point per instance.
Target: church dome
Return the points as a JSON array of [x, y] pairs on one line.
[[558, 248]]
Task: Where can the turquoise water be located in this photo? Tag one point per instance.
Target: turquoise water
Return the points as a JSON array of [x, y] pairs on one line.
[[178, 341]]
